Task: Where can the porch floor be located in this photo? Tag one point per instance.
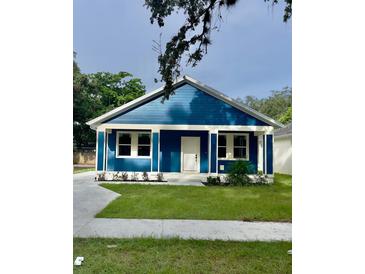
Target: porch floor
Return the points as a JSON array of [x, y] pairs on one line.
[[185, 178]]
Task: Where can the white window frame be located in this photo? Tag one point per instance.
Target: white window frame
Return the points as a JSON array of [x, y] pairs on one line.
[[134, 144], [230, 146]]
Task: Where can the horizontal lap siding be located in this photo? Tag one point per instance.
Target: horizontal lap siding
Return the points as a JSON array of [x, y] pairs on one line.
[[124, 164], [188, 106]]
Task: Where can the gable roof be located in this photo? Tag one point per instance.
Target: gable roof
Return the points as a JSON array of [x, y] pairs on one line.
[[183, 80]]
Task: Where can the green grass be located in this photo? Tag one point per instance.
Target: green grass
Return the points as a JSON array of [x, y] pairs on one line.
[[83, 169], [253, 203], [181, 256]]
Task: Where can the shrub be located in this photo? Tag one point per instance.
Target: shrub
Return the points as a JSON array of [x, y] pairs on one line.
[[160, 177], [101, 176], [145, 176], [260, 178], [237, 175], [214, 181], [124, 176]]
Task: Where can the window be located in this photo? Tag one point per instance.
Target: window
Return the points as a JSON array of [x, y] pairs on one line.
[[124, 144], [133, 144], [240, 146], [233, 146], [144, 144], [222, 146]]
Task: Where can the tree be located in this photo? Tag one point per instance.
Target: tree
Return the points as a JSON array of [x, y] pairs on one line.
[[193, 37], [94, 94], [277, 106], [286, 117]]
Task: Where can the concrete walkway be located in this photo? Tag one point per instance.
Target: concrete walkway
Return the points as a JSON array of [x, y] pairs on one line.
[[90, 198], [187, 229]]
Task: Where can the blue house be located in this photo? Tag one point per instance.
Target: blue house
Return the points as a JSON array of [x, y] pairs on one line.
[[197, 131]]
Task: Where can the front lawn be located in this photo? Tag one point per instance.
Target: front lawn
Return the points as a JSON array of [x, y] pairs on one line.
[[253, 203], [181, 256]]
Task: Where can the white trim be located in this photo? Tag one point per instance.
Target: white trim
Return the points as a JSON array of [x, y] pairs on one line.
[[185, 79], [134, 144], [213, 128], [260, 153], [230, 146], [96, 151]]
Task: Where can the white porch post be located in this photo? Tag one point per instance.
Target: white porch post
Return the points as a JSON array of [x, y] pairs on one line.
[[260, 151]]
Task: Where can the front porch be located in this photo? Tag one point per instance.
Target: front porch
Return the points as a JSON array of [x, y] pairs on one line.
[[183, 152]]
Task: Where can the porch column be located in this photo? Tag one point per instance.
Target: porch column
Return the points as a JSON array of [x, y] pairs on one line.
[[155, 151], [260, 153], [213, 141], [100, 150]]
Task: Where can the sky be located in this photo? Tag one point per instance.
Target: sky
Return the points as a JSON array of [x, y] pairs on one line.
[[251, 54]]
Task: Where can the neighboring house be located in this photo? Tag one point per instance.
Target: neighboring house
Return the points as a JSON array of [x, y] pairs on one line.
[[198, 130], [283, 150]]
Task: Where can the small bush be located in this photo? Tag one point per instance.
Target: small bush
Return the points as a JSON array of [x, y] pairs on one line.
[[160, 177], [145, 176], [237, 175], [116, 176], [260, 178], [101, 176], [214, 181], [124, 176], [134, 176]]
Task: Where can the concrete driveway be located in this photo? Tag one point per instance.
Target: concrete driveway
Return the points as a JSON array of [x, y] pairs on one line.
[[88, 198]]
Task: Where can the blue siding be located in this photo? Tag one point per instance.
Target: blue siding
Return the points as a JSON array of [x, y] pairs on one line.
[[124, 164], [100, 156], [155, 151], [170, 149], [188, 106], [269, 154], [253, 157], [213, 153]]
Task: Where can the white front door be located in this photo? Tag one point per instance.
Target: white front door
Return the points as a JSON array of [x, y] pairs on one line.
[[190, 154]]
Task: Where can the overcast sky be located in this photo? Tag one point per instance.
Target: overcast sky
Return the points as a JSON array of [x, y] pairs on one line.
[[250, 55]]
